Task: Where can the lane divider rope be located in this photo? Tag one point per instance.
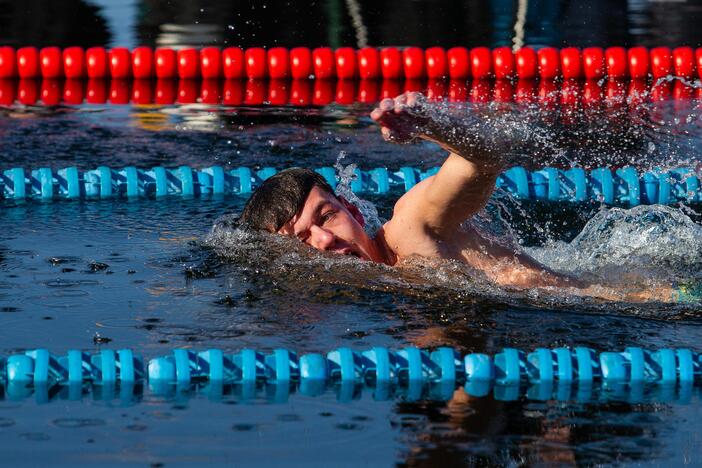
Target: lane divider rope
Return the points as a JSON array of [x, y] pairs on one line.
[[350, 63], [623, 186], [547, 373]]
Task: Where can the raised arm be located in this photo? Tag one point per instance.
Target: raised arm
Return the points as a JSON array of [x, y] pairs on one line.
[[466, 179]]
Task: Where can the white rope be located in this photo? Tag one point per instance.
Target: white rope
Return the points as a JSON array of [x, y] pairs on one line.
[[518, 39], [357, 21]]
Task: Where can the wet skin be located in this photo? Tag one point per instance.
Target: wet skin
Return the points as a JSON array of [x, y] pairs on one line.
[[428, 221]]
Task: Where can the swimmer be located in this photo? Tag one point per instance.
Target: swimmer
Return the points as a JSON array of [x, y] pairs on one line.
[[428, 221]]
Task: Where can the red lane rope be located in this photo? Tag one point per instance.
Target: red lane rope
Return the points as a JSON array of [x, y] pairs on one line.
[[350, 63], [307, 92]]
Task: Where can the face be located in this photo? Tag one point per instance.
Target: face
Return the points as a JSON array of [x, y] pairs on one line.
[[331, 224]]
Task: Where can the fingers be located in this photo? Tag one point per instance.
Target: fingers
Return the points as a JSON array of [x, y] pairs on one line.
[[386, 105]]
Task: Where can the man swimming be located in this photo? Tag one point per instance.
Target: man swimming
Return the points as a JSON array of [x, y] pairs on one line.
[[428, 221]]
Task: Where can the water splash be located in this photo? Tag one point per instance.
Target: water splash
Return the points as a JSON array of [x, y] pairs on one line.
[[645, 244], [346, 175]]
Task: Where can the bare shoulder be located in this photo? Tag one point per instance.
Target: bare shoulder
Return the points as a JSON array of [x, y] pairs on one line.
[[406, 233]]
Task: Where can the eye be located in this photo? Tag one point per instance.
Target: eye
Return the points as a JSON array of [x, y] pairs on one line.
[[328, 216]]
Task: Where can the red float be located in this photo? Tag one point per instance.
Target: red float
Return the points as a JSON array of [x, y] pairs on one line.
[[278, 92], [300, 63], [368, 63], [435, 58], [28, 89], [255, 92], [345, 61], [96, 92], [698, 61], [73, 62], [323, 92], [323, 63], [50, 61], [503, 63], [526, 63], [119, 91], [615, 58], [210, 63], [255, 59], [96, 62], [141, 91], [188, 64], [570, 63], [480, 62], [638, 62], [8, 63], [548, 61], [233, 63], [391, 63], [120, 64], [684, 62], [73, 91], [661, 63], [50, 91], [142, 62], [165, 91], [165, 60], [28, 62], [278, 63], [301, 90], [593, 62], [7, 91], [368, 91], [345, 92], [458, 63], [413, 63], [233, 91]]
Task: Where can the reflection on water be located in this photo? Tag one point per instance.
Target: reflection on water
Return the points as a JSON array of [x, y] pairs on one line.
[[144, 285]]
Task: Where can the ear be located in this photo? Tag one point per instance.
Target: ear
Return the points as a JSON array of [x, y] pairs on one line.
[[355, 212]]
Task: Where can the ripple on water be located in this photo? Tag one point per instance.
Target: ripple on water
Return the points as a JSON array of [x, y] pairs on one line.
[[73, 423]]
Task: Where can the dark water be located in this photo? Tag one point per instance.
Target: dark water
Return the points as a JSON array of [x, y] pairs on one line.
[[136, 273]]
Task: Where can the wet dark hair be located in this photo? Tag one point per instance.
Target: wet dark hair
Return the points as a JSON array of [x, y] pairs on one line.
[[279, 198]]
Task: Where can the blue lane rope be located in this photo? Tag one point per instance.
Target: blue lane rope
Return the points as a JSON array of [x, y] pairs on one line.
[[546, 373], [624, 186]]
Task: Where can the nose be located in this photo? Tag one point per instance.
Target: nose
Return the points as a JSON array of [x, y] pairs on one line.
[[321, 239]]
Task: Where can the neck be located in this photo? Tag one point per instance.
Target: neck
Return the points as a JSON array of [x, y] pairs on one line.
[[383, 251]]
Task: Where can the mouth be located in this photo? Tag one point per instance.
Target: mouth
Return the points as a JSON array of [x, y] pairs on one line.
[[349, 251]]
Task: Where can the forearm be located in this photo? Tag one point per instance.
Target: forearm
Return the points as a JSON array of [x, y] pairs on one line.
[[490, 139]]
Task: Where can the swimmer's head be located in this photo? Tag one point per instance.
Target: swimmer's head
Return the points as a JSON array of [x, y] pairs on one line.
[[300, 203]]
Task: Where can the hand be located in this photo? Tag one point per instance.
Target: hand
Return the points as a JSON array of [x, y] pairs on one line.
[[398, 122]]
